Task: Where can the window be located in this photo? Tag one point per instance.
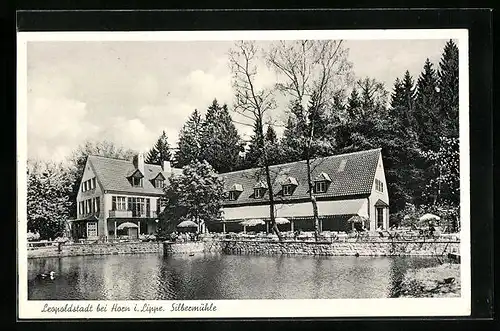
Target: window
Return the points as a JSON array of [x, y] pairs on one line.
[[159, 183], [258, 193], [93, 182], [233, 195], [91, 229], [137, 206], [97, 205], [118, 203], [80, 208], [320, 187], [379, 185], [287, 189], [380, 218], [137, 182]]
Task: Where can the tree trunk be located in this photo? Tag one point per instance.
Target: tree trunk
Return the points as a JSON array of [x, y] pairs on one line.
[[310, 182], [313, 201], [272, 217]]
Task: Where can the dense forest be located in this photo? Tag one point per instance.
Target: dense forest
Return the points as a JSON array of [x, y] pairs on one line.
[[330, 111]]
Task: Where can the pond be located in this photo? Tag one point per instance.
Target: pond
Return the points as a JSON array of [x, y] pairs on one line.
[[218, 277]]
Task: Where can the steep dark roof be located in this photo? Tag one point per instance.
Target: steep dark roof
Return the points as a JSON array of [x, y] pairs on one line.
[[113, 173], [355, 179]]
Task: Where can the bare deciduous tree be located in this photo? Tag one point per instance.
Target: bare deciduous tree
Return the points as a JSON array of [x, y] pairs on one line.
[[314, 71], [253, 103]]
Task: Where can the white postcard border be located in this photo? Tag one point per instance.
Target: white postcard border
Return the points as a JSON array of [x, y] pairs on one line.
[[30, 309]]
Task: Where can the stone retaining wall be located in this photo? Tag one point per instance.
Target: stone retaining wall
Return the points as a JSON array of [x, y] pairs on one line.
[[385, 248], [96, 249]]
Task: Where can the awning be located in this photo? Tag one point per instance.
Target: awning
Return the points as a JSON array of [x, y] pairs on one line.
[[381, 203], [91, 218]]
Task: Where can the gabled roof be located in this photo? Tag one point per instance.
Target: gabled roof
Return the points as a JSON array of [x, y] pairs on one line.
[[236, 187], [136, 173], [381, 203], [290, 181], [159, 176], [113, 175], [322, 177], [355, 180], [260, 184]]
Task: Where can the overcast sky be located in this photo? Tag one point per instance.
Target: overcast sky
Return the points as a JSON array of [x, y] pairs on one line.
[[128, 92]]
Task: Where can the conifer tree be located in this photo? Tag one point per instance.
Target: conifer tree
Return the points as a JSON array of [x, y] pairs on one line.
[[254, 153], [189, 146], [448, 88], [354, 106], [160, 151], [427, 108], [220, 141]]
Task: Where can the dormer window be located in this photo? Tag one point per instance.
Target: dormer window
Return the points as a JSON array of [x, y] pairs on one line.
[[258, 193], [136, 182], [320, 187], [159, 183], [259, 189], [288, 185], [287, 189], [235, 191], [321, 182]]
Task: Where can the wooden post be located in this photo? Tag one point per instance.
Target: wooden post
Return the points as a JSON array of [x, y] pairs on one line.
[[244, 229], [115, 229], [223, 227], [291, 225], [267, 227], [139, 229]]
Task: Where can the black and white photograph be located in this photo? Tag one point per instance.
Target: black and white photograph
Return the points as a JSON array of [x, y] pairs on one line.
[[208, 174]]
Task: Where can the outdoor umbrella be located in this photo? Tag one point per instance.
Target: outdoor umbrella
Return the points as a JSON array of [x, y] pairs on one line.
[[127, 225], [252, 222], [281, 220], [428, 219], [358, 219], [187, 224]]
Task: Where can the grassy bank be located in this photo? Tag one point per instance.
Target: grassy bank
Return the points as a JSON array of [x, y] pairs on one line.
[[437, 282]]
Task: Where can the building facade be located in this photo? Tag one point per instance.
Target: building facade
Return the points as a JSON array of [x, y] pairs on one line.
[[344, 186], [115, 195], [122, 198]]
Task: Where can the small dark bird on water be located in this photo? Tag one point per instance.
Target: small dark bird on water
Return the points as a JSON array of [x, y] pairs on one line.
[[356, 255], [192, 254], [50, 275], [449, 280]]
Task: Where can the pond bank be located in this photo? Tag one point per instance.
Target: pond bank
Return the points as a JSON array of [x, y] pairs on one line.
[[437, 282], [64, 250], [359, 248], [235, 247]]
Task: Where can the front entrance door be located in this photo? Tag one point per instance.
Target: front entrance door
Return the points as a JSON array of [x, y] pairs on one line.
[[380, 218], [133, 233], [91, 229]]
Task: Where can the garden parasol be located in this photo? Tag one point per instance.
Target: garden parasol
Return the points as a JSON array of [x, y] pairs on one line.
[[127, 225], [281, 220], [252, 222], [187, 224]]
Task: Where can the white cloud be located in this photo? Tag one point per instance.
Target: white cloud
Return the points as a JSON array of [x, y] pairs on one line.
[[56, 124], [131, 133]]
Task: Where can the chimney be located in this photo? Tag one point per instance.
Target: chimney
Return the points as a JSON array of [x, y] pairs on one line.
[[139, 162], [166, 166]]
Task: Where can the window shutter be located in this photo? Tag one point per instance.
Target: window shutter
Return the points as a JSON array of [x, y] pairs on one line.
[[113, 203]]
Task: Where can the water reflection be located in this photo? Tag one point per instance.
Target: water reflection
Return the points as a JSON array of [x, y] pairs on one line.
[[216, 276]]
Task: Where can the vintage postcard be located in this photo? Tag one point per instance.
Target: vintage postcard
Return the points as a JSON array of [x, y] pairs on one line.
[[243, 174]]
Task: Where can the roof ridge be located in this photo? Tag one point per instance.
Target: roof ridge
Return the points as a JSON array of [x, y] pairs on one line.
[[124, 160], [293, 162]]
